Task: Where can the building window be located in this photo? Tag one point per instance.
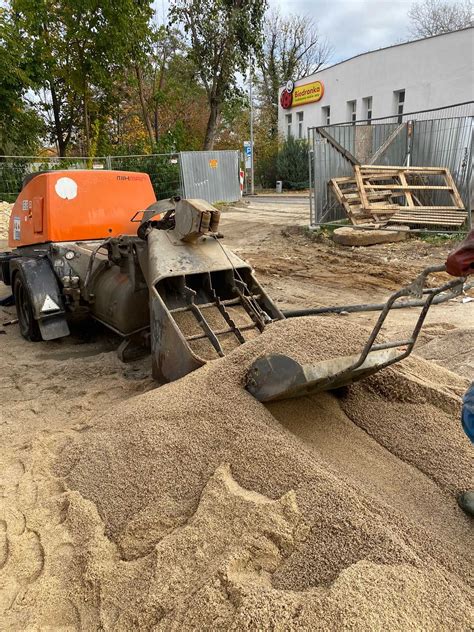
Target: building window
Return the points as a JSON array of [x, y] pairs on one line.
[[399, 103], [352, 111], [368, 109], [326, 115], [288, 125], [299, 116]]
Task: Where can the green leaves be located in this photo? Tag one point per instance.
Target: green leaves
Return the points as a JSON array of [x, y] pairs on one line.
[[20, 126], [80, 50], [292, 164], [223, 35]]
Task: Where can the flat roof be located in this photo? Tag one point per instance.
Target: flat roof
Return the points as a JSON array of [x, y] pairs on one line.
[[376, 50]]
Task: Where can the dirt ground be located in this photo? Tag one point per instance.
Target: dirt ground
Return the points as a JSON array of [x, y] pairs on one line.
[[54, 392], [301, 270]]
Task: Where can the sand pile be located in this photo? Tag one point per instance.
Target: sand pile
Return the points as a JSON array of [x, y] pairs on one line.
[[5, 211], [193, 506], [454, 350]]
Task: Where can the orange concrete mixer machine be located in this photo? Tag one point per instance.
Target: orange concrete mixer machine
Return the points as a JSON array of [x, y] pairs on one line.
[[98, 244]]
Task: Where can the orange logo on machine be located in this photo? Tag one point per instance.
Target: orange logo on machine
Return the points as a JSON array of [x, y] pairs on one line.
[[301, 95]]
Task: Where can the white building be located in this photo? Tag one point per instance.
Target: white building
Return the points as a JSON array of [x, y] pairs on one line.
[[425, 74]]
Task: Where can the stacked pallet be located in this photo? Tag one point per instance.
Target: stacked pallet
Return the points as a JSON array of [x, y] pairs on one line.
[[399, 195], [348, 195]]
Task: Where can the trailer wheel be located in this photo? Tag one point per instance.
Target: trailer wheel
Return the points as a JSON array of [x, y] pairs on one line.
[[29, 327]]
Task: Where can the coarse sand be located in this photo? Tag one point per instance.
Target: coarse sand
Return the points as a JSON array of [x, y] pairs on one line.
[[454, 350], [194, 507], [5, 211]]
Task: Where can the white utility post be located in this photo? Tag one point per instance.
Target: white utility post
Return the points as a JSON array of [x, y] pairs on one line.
[[252, 181]]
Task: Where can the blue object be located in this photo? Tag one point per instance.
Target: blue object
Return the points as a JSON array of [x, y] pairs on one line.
[[467, 416]]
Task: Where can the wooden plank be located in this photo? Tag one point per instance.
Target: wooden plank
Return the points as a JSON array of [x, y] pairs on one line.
[[429, 208], [360, 185], [454, 216], [431, 214], [387, 210], [434, 218], [455, 193], [380, 176], [341, 199], [352, 207], [343, 179], [373, 197], [404, 184], [428, 218], [440, 220], [342, 150], [427, 222], [431, 170], [388, 213], [410, 187]]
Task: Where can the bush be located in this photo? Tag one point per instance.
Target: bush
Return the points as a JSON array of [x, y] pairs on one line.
[[266, 154], [292, 164]]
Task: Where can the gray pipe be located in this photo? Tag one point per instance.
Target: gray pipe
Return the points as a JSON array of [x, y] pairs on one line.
[[368, 307]]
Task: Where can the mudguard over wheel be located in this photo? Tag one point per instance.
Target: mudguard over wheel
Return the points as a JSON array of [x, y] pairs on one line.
[[29, 327]]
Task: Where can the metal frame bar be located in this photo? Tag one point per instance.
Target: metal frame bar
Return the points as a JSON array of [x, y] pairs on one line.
[[415, 288]]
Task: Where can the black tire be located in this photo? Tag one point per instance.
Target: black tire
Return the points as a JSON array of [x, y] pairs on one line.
[[29, 327]]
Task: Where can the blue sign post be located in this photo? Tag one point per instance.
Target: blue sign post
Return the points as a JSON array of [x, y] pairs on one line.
[[248, 154]]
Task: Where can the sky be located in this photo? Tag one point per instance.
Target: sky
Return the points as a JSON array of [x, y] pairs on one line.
[[354, 26], [351, 26]]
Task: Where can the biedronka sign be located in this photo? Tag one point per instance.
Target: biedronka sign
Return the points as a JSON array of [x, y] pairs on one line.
[[301, 95]]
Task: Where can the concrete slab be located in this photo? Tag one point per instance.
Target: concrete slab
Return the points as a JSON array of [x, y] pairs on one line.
[[347, 236]]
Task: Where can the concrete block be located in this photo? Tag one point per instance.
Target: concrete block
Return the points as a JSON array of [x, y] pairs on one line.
[[347, 236]]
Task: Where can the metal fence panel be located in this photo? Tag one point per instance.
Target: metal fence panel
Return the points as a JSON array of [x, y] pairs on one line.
[[211, 175], [328, 163], [393, 148], [361, 140], [445, 142]]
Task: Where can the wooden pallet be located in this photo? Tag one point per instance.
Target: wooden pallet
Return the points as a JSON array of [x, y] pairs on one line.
[[347, 193], [393, 194]]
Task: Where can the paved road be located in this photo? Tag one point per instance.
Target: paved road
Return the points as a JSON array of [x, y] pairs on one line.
[[298, 200], [276, 210]]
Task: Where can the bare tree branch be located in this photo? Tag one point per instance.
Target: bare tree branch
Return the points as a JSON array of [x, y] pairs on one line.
[[293, 48], [432, 17]]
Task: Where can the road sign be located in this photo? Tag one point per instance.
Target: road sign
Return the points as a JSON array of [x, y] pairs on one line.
[[248, 154]]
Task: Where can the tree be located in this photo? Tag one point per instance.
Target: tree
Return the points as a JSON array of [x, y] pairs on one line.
[[292, 164], [292, 48], [81, 50], [172, 102], [20, 125], [224, 34], [432, 17]]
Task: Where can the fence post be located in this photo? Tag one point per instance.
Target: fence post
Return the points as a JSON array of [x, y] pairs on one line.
[[181, 176], [108, 163], [410, 132], [310, 158]]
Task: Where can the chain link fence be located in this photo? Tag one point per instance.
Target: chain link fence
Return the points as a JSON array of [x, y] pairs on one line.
[[163, 169], [439, 138], [13, 170], [213, 176]]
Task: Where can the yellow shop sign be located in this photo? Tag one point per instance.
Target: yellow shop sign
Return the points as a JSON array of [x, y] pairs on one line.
[[307, 93]]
